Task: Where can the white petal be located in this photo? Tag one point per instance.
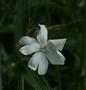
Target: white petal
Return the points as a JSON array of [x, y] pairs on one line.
[[34, 61], [43, 65], [29, 49], [61, 58], [39, 61], [59, 43], [55, 57], [27, 40], [42, 35]]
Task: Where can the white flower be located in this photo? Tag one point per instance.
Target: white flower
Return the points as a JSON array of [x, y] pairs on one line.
[[44, 50]]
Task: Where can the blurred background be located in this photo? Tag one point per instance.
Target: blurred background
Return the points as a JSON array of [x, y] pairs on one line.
[[64, 19]]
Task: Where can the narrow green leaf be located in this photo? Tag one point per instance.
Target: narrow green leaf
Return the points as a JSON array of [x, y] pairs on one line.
[[36, 81]]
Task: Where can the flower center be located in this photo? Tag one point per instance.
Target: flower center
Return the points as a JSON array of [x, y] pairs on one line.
[[45, 48]]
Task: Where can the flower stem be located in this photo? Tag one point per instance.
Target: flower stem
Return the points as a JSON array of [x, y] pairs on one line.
[[22, 81]]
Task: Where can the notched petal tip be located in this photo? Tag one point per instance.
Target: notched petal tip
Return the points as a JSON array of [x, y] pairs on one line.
[[32, 68], [41, 73]]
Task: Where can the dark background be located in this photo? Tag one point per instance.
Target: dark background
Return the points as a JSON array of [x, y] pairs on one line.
[[64, 19]]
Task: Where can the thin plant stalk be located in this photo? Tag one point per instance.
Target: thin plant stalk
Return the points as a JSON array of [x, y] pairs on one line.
[[22, 81], [0, 74]]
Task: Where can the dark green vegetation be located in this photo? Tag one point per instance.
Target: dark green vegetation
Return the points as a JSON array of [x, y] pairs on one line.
[[64, 19]]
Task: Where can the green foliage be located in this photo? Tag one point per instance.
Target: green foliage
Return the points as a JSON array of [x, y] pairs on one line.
[[64, 19]]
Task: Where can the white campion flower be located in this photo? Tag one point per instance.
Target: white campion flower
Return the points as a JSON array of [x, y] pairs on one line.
[[44, 50]]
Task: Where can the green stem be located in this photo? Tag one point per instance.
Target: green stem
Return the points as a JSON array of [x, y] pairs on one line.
[[22, 81]]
